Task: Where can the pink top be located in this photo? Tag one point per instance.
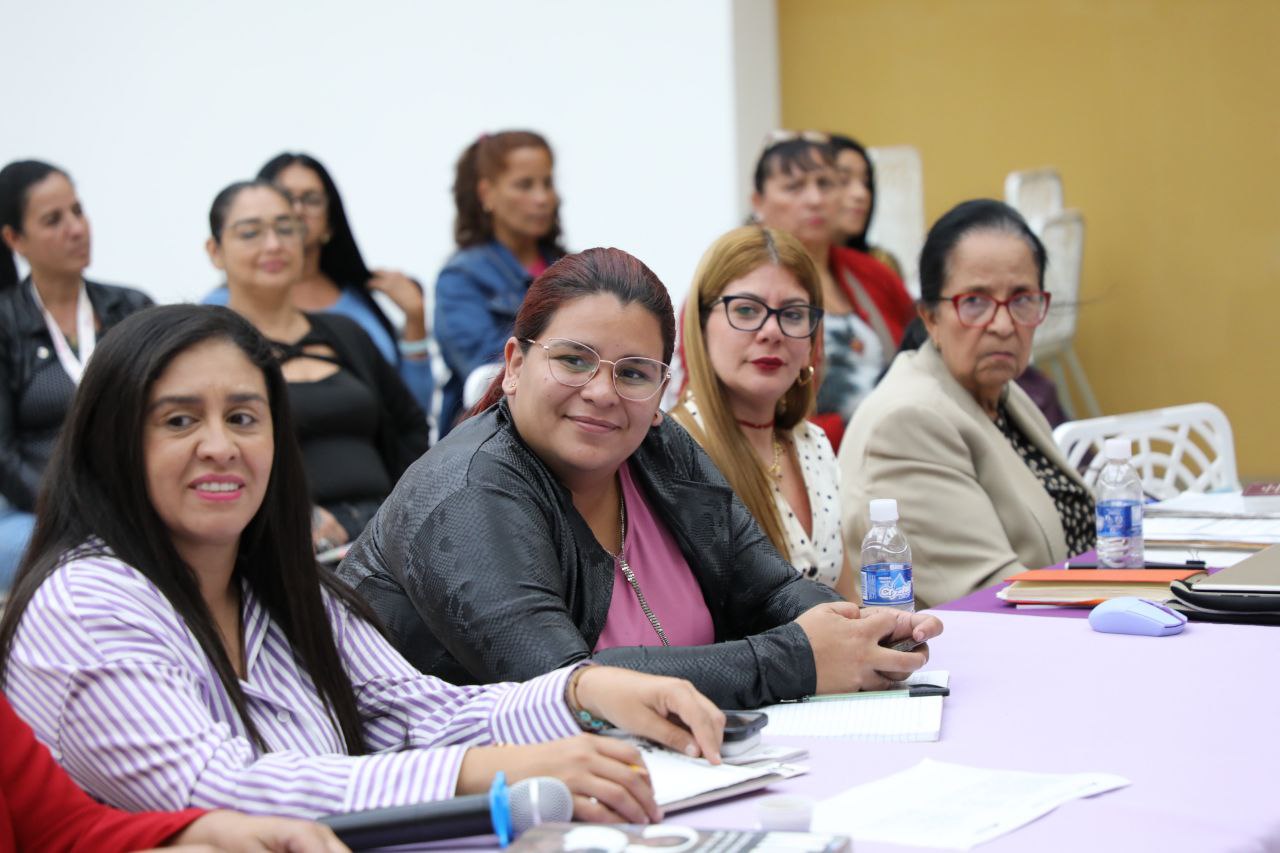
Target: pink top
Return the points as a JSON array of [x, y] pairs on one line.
[[665, 578], [537, 268]]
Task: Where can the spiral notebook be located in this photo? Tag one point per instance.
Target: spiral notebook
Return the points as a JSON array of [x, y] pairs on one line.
[[872, 716]]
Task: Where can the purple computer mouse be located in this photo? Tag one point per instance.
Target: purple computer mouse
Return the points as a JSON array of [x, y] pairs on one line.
[[1130, 615]]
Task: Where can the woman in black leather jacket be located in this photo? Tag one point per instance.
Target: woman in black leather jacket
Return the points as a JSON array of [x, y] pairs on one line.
[[496, 556], [49, 324]]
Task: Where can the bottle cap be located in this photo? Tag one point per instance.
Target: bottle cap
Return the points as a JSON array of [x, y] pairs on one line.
[[785, 813], [884, 509], [1119, 449]]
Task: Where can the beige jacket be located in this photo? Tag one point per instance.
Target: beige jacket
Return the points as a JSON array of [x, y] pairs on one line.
[[970, 507]]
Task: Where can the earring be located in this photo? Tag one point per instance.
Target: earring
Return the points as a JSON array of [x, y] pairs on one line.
[[805, 378]]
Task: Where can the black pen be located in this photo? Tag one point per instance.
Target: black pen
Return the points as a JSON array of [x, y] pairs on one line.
[[1189, 564]]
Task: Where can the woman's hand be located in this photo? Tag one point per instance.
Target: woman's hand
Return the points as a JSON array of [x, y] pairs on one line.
[[606, 775], [407, 296], [239, 833], [669, 711], [326, 532], [847, 645]]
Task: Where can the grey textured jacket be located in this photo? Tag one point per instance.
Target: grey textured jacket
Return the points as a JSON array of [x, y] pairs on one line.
[[482, 569]]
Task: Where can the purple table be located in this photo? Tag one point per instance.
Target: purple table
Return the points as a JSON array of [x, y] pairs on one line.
[[1052, 695]]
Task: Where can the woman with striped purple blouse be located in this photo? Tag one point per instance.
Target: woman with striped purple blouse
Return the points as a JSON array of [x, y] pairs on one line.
[[172, 641]]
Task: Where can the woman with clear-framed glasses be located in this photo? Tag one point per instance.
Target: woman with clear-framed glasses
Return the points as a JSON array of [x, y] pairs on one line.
[[799, 189], [751, 326], [982, 489], [358, 424], [568, 518]]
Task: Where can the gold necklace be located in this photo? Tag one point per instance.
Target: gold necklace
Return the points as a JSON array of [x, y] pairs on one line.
[[776, 468]]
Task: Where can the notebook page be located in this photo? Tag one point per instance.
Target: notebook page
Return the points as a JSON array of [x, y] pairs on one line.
[[677, 777], [866, 718]]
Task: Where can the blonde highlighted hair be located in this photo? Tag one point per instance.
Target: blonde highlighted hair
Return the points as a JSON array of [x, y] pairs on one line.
[[730, 258]]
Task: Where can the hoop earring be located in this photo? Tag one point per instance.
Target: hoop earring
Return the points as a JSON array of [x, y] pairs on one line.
[[805, 378]]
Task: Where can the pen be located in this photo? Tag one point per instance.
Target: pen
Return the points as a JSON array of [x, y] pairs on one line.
[[913, 691], [1189, 564]]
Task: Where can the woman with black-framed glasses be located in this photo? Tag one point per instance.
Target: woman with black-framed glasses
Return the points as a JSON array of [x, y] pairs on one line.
[[983, 490], [567, 518], [751, 327]]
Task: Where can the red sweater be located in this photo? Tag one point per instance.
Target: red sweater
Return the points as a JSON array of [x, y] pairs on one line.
[[42, 809], [889, 296]]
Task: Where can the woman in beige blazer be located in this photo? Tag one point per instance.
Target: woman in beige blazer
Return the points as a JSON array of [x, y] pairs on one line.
[[983, 491]]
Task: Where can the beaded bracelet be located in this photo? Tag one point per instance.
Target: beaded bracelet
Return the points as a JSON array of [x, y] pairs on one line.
[[587, 721], [412, 348]]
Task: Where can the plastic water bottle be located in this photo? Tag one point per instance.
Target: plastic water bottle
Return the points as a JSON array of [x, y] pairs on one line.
[[1119, 494], [886, 560]]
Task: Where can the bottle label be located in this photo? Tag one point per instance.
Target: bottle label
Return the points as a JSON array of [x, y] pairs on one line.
[[1119, 519], [886, 583]]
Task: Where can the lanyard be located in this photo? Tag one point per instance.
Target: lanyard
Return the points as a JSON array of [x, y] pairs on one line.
[[85, 334]]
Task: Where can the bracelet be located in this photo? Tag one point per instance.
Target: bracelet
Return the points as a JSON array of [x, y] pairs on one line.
[[586, 720], [412, 348]]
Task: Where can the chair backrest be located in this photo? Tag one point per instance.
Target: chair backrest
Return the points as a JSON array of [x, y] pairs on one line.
[[1063, 237], [1178, 449], [1036, 194], [898, 222]]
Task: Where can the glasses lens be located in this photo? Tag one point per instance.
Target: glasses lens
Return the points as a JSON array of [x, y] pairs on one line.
[[975, 309], [638, 378], [1028, 308], [744, 314], [572, 363], [798, 321]]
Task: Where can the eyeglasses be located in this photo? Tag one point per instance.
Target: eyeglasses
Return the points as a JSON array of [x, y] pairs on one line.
[[311, 199], [979, 309], [749, 314], [254, 231], [574, 364]]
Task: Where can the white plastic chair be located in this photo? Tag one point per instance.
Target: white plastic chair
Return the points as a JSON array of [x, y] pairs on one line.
[[898, 222], [1036, 194], [1063, 237], [1178, 449]]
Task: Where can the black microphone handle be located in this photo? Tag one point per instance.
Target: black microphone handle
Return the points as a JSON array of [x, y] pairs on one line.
[[454, 818]]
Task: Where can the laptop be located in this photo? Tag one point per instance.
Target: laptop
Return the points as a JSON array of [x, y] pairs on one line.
[[1258, 574]]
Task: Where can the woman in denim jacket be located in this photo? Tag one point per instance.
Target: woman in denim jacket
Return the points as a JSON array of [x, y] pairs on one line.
[[508, 231]]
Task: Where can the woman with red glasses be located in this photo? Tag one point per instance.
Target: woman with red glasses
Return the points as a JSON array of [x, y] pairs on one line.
[[983, 490]]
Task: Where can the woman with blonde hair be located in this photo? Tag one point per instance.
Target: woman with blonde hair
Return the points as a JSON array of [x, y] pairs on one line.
[[752, 328]]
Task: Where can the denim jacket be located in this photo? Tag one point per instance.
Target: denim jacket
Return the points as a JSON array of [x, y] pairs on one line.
[[477, 296]]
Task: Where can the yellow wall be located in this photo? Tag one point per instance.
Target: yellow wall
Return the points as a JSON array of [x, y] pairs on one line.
[[1163, 117]]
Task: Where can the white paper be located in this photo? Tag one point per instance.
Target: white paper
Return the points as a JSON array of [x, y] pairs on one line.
[[1263, 531], [1217, 558], [936, 804], [678, 777], [865, 718], [1217, 505]]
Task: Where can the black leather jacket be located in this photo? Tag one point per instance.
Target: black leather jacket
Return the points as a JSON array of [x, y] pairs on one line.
[[482, 569], [35, 392]]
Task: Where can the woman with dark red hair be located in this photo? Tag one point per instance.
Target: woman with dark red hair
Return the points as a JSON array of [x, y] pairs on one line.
[[568, 518]]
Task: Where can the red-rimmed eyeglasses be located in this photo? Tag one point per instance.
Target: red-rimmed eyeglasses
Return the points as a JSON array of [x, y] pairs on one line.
[[979, 309]]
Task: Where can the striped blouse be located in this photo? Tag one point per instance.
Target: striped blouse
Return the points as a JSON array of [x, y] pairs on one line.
[[117, 687]]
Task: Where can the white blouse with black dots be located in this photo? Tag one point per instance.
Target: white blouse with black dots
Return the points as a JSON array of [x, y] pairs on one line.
[[819, 557]]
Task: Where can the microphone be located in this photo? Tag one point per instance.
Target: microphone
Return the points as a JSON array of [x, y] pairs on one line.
[[505, 813]]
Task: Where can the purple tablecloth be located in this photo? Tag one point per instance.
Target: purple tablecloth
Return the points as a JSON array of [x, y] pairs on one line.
[[1191, 719]]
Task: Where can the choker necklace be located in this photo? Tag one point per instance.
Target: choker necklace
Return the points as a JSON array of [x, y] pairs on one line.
[[768, 425]]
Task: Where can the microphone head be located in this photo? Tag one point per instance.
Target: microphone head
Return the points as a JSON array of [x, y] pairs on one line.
[[542, 799]]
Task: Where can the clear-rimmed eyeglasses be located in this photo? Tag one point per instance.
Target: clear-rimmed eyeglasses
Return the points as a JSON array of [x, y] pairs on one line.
[[979, 309], [311, 199], [254, 231], [749, 314], [575, 364]]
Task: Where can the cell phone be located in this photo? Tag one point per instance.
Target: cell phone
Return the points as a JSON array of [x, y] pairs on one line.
[[742, 731], [907, 645]]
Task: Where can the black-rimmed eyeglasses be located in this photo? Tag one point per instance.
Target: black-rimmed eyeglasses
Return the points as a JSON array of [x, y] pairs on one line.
[[575, 364], [749, 314]]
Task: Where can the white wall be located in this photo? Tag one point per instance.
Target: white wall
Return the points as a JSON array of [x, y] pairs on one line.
[[154, 105]]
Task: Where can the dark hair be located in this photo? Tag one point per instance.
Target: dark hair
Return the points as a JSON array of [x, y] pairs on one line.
[[340, 258], [100, 505], [983, 214], [16, 181], [839, 143], [227, 196], [802, 154], [487, 158], [587, 273]]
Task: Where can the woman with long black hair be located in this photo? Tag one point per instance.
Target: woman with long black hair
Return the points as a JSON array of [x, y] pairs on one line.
[[50, 322], [173, 640]]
